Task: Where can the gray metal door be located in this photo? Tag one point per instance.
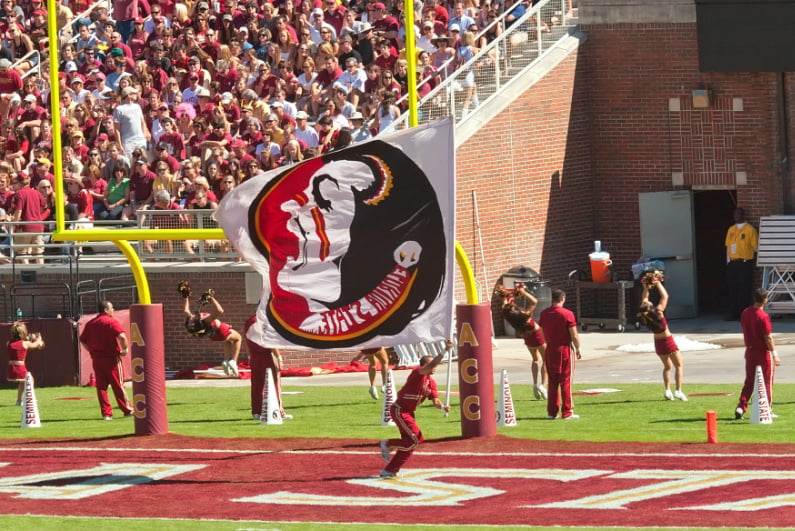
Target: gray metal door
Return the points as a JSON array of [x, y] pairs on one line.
[[667, 233]]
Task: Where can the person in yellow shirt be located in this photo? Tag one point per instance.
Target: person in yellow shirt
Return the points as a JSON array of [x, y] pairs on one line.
[[741, 243]]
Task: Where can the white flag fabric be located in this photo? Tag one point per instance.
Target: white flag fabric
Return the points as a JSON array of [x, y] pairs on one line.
[[356, 247]]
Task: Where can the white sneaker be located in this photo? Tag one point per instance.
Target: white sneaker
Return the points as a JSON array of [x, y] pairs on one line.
[[286, 416], [573, 416], [542, 391], [107, 418], [679, 395], [738, 413], [536, 393], [550, 417], [386, 474], [225, 367], [668, 395], [385, 455], [373, 392], [232, 364], [773, 415]]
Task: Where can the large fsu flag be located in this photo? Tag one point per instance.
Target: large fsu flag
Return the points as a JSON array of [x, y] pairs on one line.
[[355, 247]]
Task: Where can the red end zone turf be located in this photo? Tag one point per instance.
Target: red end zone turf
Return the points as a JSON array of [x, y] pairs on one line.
[[498, 481]]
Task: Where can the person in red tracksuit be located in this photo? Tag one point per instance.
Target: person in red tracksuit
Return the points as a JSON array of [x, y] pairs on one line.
[[262, 360], [560, 331], [105, 340], [419, 386], [759, 350]]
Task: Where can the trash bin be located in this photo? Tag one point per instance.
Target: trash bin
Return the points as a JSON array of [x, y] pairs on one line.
[[538, 288]]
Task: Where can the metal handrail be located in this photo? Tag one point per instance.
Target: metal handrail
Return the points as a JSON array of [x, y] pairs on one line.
[[441, 101], [36, 68]]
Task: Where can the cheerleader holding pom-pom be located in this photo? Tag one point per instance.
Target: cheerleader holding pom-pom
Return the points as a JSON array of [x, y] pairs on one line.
[[208, 324], [664, 344], [17, 348], [522, 321]]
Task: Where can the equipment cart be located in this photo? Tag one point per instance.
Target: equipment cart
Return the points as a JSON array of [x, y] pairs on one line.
[[619, 290]]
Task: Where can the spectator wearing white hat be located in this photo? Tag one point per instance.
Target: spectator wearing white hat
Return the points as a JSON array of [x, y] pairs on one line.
[[359, 130], [303, 132], [31, 115], [318, 24]]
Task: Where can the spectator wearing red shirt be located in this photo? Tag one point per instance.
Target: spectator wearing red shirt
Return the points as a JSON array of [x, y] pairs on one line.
[[387, 56], [41, 172], [105, 340], [225, 75], [142, 180], [27, 204], [384, 26], [334, 14], [10, 80], [6, 193], [217, 137], [81, 198], [171, 141]]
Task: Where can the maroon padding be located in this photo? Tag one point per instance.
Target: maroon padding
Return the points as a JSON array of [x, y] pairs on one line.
[[148, 354], [54, 365], [123, 316], [475, 373]]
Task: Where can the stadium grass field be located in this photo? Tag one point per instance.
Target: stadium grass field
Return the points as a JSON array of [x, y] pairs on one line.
[[636, 413], [611, 421]]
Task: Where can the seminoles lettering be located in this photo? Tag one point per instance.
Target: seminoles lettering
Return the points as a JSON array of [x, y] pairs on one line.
[[367, 312]]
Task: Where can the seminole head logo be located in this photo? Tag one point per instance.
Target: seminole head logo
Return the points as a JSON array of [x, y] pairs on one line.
[[355, 245]]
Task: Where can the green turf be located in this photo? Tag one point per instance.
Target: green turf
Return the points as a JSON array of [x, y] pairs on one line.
[[636, 413]]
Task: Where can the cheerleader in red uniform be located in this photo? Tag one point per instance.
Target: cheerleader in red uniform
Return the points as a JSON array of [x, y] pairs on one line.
[[664, 344], [522, 321], [17, 348], [208, 324]]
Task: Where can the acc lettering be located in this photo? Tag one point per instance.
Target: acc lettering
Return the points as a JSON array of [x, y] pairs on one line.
[[137, 364], [469, 371], [139, 405], [471, 407], [136, 338], [467, 336]]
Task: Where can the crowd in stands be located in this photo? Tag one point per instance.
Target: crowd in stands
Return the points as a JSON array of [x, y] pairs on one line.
[[172, 104]]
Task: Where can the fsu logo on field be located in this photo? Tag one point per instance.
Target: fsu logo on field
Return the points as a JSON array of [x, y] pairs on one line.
[[355, 245]]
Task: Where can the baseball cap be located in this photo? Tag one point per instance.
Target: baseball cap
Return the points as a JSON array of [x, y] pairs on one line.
[[427, 24], [203, 93], [317, 11], [69, 67], [277, 104], [162, 146], [39, 12], [78, 133], [116, 52], [227, 97], [126, 91], [301, 115], [43, 162], [379, 5], [78, 77], [103, 136], [227, 16], [237, 143], [455, 27], [31, 98], [138, 20]]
